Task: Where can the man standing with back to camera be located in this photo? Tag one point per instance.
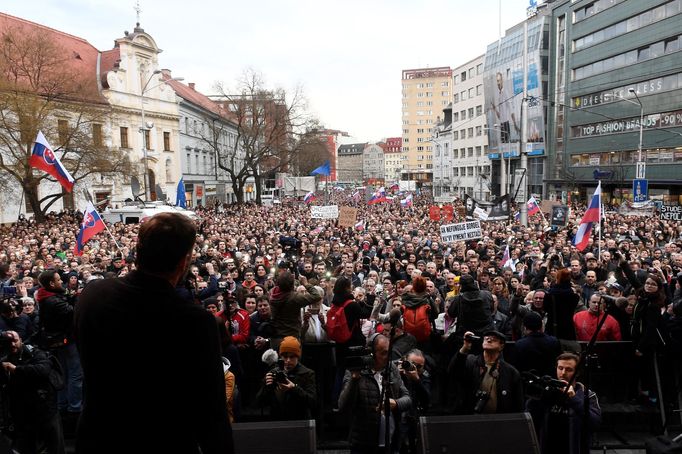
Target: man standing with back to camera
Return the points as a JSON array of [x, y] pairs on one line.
[[153, 375]]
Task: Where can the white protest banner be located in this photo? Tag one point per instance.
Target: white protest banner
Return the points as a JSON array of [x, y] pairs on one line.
[[671, 213], [463, 231], [481, 213], [324, 212]]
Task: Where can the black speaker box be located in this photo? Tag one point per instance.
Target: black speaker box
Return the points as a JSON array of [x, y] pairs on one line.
[[479, 434], [275, 437]]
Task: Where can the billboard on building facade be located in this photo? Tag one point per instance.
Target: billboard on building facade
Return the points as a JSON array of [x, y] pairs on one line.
[[503, 93]]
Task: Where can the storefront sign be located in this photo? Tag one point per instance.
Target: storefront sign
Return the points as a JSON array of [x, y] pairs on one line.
[[653, 121]]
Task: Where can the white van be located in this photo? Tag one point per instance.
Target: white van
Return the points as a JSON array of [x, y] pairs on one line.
[[134, 214]]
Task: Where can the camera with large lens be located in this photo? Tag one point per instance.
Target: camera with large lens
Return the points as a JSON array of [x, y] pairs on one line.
[[358, 358], [279, 374], [407, 365], [481, 400], [544, 387]]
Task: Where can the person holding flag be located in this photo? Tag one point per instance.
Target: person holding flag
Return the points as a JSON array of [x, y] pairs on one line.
[[591, 216], [378, 197], [309, 198], [43, 158], [406, 202], [92, 225]]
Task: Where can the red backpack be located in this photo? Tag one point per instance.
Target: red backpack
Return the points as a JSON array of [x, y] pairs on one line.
[[416, 322], [337, 325]]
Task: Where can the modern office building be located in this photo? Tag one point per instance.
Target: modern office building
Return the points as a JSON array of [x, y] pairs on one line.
[[504, 92], [612, 63], [425, 93], [471, 166]]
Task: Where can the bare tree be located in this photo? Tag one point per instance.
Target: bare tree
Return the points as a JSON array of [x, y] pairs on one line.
[[41, 91], [273, 127]]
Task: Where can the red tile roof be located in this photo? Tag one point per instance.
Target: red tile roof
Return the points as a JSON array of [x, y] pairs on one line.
[[80, 56], [191, 95], [109, 62]]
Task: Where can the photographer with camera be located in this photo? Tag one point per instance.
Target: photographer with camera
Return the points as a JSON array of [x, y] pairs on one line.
[[417, 380], [558, 409], [31, 397], [289, 388], [485, 383], [362, 394]]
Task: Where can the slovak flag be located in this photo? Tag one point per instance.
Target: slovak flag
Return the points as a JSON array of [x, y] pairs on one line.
[[406, 202], [43, 158], [591, 216], [394, 187], [532, 205], [91, 226], [378, 197], [309, 197], [360, 226]]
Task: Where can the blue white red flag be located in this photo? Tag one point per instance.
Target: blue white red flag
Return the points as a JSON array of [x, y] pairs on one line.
[[92, 224], [43, 158], [309, 197], [532, 205], [406, 202], [378, 197], [591, 216]]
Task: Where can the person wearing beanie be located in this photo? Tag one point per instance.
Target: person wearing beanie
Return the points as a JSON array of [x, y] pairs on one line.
[[288, 389]]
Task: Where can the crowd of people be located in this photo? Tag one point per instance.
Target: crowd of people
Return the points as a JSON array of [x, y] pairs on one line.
[[312, 316]]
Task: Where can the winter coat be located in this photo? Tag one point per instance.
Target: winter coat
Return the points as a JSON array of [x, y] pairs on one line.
[[56, 314], [467, 372], [362, 398], [574, 409], [473, 310], [286, 311], [294, 404], [560, 303]]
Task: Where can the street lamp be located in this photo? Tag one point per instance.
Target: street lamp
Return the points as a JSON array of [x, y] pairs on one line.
[[145, 127], [641, 124]]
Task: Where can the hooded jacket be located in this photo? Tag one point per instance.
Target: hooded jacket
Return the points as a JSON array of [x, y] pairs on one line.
[[472, 308], [56, 314]]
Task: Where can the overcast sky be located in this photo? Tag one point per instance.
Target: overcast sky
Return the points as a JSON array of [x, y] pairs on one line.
[[347, 54]]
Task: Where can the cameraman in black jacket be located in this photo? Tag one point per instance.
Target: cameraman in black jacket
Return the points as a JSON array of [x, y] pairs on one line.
[[31, 397]]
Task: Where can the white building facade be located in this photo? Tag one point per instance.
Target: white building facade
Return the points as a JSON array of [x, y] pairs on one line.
[[471, 167]]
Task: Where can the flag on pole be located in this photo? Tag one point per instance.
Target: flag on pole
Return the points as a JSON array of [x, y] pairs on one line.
[[591, 216], [378, 197], [309, 197], [360, 226], [181, 195], [406, 202], [533, 206], [92, 224], [324, 169], [356, 196], [43, 158]]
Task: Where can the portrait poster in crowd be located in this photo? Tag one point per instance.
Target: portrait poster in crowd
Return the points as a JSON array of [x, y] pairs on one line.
[[464, 231], [444, 213], [559, 217], [671, 213], [324, 212], [348, 216], [497, 210]]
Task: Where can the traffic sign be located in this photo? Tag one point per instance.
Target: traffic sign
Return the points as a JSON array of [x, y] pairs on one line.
[[640, 190], [640, 170]]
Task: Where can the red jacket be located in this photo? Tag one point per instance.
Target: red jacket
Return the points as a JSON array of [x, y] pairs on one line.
[[240, 324], [585, 323]]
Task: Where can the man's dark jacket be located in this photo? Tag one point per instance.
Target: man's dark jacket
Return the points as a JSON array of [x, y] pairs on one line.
[[294, 404], [467, 372], [56, 314], [153, 376]]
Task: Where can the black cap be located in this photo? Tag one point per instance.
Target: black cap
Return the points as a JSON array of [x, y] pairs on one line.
[[496, 334], [532, 321]]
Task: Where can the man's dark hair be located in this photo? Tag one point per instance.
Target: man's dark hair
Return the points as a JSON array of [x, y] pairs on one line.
[[285, 281], [46, 277], [163, 241], [567, 356], [262, 298]]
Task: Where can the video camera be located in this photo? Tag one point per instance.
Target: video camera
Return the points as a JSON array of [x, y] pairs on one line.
[[358, 358], [543, 387]]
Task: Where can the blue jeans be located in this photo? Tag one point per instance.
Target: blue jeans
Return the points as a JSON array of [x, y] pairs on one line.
[[70, 398]]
